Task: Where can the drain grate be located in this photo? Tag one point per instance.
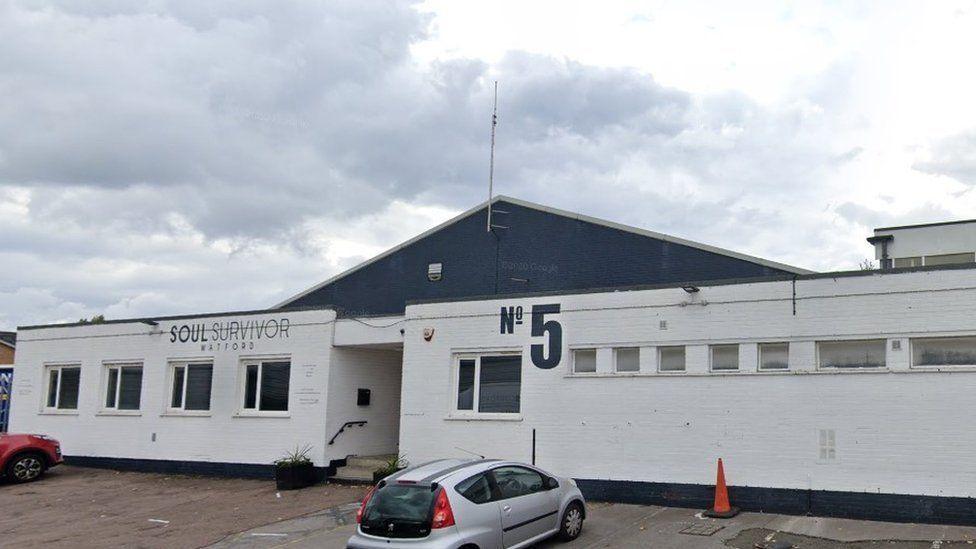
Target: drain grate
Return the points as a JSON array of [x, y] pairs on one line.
[[702, 529]]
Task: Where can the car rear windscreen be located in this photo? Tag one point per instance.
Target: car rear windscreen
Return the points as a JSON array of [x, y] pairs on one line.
[[398, 511]]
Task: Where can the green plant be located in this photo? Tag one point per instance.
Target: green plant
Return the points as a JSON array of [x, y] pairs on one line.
[[392, 465], [296, 458]]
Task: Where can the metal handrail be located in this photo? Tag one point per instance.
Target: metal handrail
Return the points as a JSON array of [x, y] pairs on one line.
[[343, 428]]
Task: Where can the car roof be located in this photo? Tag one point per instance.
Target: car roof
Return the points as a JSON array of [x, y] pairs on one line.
[[437, 471]]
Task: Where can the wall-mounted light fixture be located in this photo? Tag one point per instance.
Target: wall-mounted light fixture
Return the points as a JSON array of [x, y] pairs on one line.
[[691, 289]]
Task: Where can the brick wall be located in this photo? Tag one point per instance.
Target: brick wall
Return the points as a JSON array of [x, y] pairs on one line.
[[896, 429], [222, 435]]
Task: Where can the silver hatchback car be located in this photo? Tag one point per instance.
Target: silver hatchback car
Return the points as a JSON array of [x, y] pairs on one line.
[[468, 504]]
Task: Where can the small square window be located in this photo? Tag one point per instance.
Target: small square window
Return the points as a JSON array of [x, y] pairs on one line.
[[192, 384], [671, 359], [266, 385], [725, 358], [489, 384], [627, 359], [774, 356], [62, 387], [123, 387], [584, 361]]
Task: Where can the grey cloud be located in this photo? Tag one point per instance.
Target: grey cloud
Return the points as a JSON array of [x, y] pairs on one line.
[[955, 157], [147, 133]]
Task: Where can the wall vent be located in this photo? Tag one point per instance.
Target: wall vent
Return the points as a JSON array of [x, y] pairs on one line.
[[434, 272]]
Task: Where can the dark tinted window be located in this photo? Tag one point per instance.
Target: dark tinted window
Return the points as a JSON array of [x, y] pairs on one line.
[[501, 384], [112, 388], [177, 400], [513, 482], [274, 386], [52, 389], [199, 379], [251, 386], [466, 385], [476, 489], [397, 511], [130, 388], [70, 379]]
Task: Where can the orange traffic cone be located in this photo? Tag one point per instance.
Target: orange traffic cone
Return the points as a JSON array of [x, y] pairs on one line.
[[721, 508]]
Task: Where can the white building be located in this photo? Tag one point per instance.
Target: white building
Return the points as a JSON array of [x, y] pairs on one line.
[[837, 394]]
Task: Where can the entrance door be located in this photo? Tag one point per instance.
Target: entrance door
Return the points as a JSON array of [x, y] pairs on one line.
[[528, 510], [6, 382]]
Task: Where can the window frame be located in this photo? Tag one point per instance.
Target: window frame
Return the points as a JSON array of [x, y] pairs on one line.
[[820, 366], [473, 413], [759, 356], [243, 363], [616, 360], [711, 358], [171, 367], [107, 368], [596, 358], [660, 352], [46, 392]]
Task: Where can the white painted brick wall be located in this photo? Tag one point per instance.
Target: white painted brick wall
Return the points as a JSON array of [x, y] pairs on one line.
[[898, 430], [223, 436], [379, 371]]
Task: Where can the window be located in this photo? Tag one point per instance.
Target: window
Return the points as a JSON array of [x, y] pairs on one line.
[[123, 390], [852, 354], [476, 489], [513, 482], [192, 382], [266, 385], [950, 259], [584, 361], [774, 356], [489, 384], [944, 351], [627, 359], [671, 359], [62, 387], [908, 262], [725, 358], [828, 444]]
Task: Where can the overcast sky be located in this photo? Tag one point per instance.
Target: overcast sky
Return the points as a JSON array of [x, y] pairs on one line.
[[185, 157]]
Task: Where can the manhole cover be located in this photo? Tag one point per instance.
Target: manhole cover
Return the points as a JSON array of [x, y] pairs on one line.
[[702, 529]]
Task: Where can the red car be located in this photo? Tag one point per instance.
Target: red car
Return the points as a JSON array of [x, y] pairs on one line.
[[23, 458]]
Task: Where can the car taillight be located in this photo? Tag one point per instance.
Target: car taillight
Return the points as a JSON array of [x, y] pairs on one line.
[[443, 514], [362, 508]]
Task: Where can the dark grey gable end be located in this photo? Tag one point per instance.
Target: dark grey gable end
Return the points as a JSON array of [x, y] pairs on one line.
[[532, 249]]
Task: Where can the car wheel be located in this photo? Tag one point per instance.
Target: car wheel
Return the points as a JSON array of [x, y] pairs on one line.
[[571, 525], [25, 468]]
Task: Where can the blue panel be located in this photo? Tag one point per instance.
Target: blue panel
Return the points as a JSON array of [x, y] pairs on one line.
[[6, 384], [538, 251]]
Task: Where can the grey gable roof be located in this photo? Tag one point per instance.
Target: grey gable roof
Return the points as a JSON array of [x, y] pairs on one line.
[[9, 339], [553, 211]]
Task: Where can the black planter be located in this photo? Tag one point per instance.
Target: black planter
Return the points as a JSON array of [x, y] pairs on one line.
[[294, 477]]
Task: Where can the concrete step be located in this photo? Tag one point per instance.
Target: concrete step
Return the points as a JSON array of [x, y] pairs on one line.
[[374, 462], [354, 475]]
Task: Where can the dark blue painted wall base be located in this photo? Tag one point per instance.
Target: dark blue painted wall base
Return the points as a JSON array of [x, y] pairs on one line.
[[171, 467], [854, 505]]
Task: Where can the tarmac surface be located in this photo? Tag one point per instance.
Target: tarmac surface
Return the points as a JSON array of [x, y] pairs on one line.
[[610, 525]]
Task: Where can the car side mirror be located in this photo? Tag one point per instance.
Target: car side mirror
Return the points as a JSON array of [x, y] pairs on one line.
[[551, 483]]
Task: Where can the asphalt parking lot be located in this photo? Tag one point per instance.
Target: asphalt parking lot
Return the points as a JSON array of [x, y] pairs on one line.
[[611, 526], [78, 507]]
